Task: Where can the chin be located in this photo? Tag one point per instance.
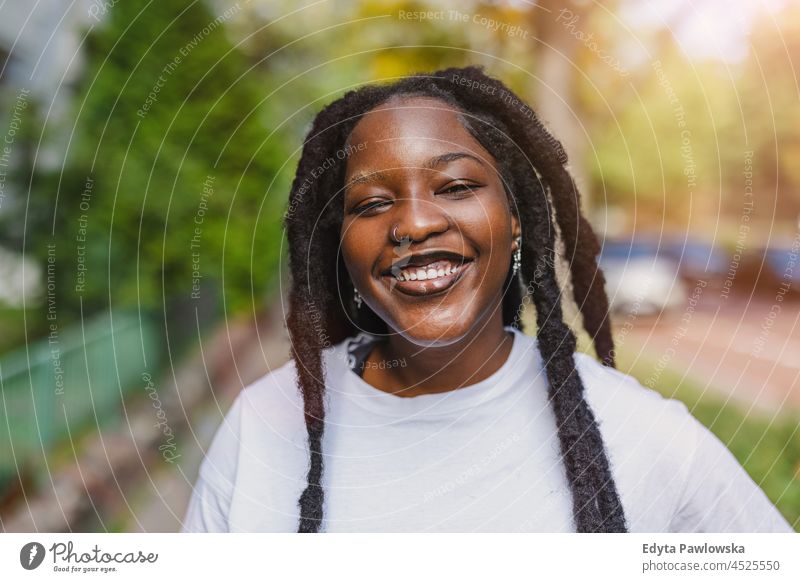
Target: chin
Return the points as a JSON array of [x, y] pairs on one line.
[[436, 329]]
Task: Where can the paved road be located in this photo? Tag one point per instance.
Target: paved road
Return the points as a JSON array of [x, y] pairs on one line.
[[746, 351]]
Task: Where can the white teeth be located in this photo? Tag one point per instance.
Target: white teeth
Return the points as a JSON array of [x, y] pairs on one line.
[[424, 274]]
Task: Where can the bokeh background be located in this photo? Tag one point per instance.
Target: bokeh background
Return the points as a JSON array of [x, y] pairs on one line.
[[147, 152]]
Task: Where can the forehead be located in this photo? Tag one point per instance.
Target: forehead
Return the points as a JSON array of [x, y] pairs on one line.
[[401, 114], [409, 131]]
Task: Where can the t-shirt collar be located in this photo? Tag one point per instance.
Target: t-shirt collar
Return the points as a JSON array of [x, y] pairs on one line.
[[341, 378]]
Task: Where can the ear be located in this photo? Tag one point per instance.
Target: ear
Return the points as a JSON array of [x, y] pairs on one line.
[[516, 231]]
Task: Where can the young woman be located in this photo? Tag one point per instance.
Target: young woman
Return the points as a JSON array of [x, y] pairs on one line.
[[423, 216]]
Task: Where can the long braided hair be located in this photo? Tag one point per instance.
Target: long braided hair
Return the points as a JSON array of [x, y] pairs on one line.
[[544, 197]]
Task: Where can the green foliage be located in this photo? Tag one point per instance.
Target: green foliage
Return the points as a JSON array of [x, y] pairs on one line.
[[671, 139], [172, 135], [18, 325]]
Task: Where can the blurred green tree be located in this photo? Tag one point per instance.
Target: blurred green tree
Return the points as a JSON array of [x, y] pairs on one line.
[[172, 179]]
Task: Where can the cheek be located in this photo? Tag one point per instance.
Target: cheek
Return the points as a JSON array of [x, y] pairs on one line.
[[489, 227], [357, 248]]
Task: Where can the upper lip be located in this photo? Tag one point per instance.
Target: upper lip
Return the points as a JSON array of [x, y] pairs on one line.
[[426, 258]]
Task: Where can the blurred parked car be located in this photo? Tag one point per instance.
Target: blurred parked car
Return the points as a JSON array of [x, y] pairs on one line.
[[785, 266], [640, 279], [766, 273], [698, 260]]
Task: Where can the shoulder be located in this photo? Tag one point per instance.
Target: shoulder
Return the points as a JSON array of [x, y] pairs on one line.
[[632, 415], [650, 441], [620, 399], [635, 419], [254, 467], [274, 394], [672, 472], [274, 402], [629, 413], [267, 411]]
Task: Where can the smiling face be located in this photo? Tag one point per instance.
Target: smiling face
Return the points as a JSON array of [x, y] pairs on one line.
[[422, 173]]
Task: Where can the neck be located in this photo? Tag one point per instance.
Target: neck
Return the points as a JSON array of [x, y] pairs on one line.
[[433, 370]]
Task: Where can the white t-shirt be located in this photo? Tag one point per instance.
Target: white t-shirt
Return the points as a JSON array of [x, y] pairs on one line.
[[485, 457]]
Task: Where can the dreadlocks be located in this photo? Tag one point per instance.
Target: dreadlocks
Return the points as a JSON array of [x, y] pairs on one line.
[[544, 197]]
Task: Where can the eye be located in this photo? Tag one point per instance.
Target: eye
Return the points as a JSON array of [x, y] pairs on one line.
[[369, 206], [461, 188]]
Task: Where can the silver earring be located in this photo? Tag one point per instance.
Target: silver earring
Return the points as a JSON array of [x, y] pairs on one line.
[[517, 257], [357, 298]]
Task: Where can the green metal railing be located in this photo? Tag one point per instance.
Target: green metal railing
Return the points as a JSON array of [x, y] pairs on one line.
[[55, 387]]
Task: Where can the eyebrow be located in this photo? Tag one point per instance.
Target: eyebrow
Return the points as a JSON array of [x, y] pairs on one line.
[[431, 164]]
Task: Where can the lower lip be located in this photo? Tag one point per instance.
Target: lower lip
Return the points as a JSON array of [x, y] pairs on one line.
[[428, 286]]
